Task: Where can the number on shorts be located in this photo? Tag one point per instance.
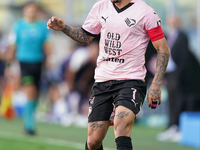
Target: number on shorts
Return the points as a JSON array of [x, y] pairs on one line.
[[134, 92]]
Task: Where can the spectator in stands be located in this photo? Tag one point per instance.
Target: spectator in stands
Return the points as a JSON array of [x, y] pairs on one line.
[[182, 76]]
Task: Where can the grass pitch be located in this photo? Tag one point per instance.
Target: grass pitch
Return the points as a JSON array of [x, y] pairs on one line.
[[56, 137]]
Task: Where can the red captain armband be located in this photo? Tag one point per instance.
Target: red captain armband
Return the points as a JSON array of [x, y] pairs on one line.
[[155, 33]]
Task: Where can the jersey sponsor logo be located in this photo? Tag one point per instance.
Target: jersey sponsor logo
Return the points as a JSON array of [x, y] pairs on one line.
[[104, 18], [116, 60], [130, 22], [112, 51], [113, 44]]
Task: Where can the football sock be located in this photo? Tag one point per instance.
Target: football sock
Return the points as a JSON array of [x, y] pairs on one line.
[[86, 147], [100, 148], [29, 118], [123, 143]]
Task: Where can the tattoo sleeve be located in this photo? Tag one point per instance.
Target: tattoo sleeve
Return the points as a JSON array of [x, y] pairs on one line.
[[78, 34], [161, 65]]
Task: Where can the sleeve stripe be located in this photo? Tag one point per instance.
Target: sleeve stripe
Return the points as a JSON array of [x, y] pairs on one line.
[[88, 33], [155, 33]]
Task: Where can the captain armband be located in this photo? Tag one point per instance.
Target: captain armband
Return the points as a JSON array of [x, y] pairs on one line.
[[155, 33]]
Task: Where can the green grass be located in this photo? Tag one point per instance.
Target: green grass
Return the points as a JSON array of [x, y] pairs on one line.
[[56, 137]]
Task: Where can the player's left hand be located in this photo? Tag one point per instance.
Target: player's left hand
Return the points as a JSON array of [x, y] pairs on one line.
[[154, 94]]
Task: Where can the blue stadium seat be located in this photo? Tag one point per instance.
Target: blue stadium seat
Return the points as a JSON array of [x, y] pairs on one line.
[[190, 129]]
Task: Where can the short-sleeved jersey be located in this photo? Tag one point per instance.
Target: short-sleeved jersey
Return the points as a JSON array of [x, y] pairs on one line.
[[29, 39], [124, 38]]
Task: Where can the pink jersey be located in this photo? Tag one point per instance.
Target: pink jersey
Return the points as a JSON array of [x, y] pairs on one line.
[[123, 40]]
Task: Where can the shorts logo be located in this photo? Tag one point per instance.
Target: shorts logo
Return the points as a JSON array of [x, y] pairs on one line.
[[134, 102], [130, 22]]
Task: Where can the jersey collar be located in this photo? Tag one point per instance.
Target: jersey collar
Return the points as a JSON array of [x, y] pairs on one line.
[[123, 8]]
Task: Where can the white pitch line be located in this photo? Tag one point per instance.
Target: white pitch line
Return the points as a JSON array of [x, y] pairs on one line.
[[50, 141]]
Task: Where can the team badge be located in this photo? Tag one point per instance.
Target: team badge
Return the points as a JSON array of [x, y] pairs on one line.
[[130, 22]]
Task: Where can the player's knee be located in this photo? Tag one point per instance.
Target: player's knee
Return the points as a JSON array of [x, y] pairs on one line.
[[123, 128], [93, 143], [120, 128]]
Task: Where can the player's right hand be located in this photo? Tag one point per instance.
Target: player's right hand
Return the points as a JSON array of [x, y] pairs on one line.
[[55, 23]]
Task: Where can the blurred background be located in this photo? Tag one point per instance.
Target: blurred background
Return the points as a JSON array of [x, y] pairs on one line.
[[65, 85]]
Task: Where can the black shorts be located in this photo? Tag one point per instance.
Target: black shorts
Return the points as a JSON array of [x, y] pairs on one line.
[[105, 96], [31, 73]]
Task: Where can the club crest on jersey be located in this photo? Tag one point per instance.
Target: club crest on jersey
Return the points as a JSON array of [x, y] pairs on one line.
[[130, 22]]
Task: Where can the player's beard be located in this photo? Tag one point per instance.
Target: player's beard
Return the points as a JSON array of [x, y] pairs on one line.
[[115, 1]]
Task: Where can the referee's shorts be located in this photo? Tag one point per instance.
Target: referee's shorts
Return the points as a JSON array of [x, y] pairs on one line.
[[31, 73]]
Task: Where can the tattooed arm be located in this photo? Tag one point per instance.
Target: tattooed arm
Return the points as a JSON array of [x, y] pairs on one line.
[[154, 92], [76, 34]]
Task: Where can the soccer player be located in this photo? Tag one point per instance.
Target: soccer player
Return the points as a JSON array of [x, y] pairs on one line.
[[126, 27], [29, 43]]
